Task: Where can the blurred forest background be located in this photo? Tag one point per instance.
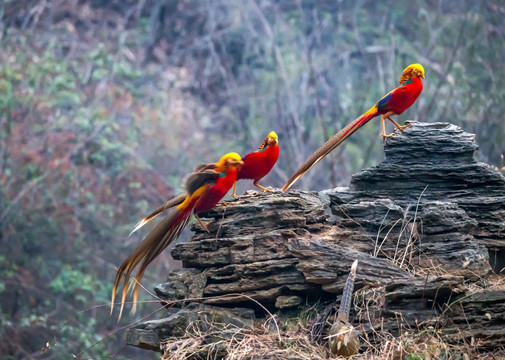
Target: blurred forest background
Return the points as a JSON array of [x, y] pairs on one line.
[[106, 105]]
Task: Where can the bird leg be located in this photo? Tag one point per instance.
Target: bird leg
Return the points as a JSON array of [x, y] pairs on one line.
[[234, 194], [388, 116], [384, 136], [255, 183], [202, 224], [398, 125]]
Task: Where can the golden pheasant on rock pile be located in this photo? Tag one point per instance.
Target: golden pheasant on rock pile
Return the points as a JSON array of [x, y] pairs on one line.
[[393, 103], [204, 188], [259, 163]]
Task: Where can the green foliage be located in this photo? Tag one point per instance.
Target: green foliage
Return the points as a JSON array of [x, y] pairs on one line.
[[72, 282]]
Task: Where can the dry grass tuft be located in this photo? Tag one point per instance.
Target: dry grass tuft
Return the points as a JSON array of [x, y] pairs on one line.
[[427, 344], [293, 342], [221, 341]]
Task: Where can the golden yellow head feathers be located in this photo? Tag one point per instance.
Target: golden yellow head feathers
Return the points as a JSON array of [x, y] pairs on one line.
[[411, 71], [273, 135], [271, 140], [229, 160]]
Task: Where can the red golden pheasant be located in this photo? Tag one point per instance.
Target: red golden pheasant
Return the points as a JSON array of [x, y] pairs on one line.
[[393, 103], [259, 163], [204, 188]]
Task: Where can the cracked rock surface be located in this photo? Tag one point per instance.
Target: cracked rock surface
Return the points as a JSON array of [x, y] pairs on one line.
[[424, 223]]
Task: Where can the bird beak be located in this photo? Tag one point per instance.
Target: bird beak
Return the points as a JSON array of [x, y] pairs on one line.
[[422, 75], [272, 141]]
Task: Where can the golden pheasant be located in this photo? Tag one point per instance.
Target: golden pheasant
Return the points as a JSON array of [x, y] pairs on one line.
[[259, 163], [256, 166], [393, 103], [204, 188]]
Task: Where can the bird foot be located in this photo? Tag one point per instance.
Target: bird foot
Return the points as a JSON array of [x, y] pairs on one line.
[[387, 136], [202, 224], [404, 126], [384, 136], [262, 187]]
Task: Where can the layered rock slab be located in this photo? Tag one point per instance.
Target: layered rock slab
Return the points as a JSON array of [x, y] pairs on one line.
[[422, 223]]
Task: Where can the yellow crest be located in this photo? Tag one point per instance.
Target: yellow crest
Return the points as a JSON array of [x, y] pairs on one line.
[[232, 159], [227, 157], [411, 71], [272, 135]]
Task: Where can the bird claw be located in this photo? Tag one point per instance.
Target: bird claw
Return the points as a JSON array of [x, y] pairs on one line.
[[262, 187], [202, 224], [226, 203], [384, 136], [387, 136], [404, 126]]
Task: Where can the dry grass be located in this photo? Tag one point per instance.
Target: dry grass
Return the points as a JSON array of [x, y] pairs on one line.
[[292, 342], [227, 342], [427, 344]]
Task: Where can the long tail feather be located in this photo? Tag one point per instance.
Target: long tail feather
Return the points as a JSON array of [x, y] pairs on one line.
[[169, 204], [345, 304], [331, 144], [157, 240], [154, 253]]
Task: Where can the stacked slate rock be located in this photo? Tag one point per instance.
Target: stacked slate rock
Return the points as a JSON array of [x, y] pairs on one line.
[[424, 223]]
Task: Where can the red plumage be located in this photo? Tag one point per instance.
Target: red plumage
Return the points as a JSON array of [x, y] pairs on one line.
[[216, 192], [204, 188], [401, 98], [393, 103], [259, 163]]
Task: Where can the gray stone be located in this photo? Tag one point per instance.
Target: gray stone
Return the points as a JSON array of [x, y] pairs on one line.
[[422, 224], [286, 302], [150, 334]]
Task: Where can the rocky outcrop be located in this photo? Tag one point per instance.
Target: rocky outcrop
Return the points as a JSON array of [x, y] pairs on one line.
[[456, 203], [151, 334], [424, 224]]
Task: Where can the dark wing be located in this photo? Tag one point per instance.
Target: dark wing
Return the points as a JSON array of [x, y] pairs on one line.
[[203, 167], [199, 179], [169, 204], [382, 104]]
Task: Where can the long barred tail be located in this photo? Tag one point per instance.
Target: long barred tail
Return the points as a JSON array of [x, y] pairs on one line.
[[169, 204], [331, 144], [345, 304], [157, 241]]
